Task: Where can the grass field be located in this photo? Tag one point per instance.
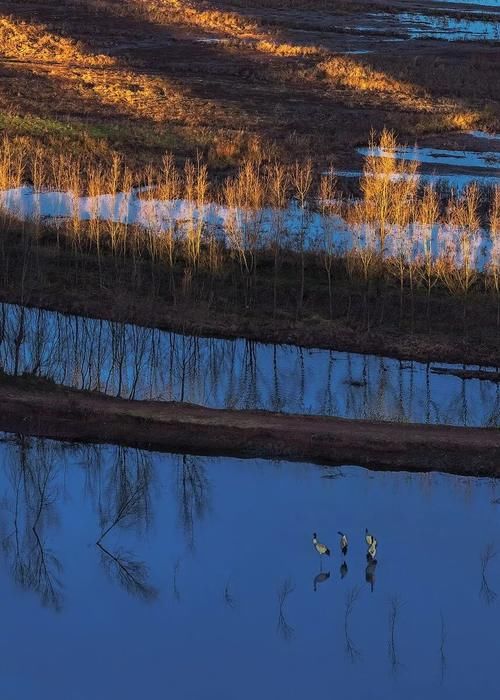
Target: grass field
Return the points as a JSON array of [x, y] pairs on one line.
[[143, 77]]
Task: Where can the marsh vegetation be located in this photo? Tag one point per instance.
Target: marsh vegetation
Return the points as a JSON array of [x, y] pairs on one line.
[[281, 242]]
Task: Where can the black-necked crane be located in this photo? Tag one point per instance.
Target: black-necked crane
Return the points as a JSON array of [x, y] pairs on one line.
[[322, 549], [343, 543], [369, 538], [372, 550]]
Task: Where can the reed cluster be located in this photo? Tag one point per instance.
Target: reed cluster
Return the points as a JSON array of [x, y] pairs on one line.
[[267, 215]]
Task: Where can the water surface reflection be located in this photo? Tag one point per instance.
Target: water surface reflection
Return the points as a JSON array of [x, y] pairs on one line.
[[144, 363], [111, 590]]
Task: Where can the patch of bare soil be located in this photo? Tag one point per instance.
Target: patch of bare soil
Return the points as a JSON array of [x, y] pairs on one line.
[[38, 408]]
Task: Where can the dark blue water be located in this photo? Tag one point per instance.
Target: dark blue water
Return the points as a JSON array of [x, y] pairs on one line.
[[182, 597], [144, 363]]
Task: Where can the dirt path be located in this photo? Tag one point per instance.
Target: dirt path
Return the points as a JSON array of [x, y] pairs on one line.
[[37, 408]]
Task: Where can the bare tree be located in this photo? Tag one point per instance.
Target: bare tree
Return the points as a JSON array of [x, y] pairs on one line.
[[428, 216], [457, 267], [302, 179], [330, 207], [493, 267], [278, 180]]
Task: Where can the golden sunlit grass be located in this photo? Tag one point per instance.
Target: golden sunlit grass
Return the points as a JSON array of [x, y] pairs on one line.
[[464, 120], [199, 15], [249, 112], [288, 50], [344, 72], [140, 95], [30, 41], [348, 5], [219, 96], [132, 93], [65, 78]]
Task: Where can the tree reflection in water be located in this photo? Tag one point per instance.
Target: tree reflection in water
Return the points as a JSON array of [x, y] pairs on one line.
[[487, 593], [126, 493], [29, 508], [284, 629], [352, 652], [442, 653], [134, 362], [394, 608], [119, 482], [175, 588], [229, 599], [128, 497], [193, 494], [121, 492], [130, 573]]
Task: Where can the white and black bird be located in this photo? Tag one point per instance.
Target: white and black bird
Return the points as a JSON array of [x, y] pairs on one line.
[[372, 550], [322, 549], [343, 543], [369, 538]]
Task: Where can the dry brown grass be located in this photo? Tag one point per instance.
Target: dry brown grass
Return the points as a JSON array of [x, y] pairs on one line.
[[464, 120], [343, 72], [288, 50], [178, 12], [98, 77], [115, 92], [262, 84], [64, 77], [473, 74], [30, 41]]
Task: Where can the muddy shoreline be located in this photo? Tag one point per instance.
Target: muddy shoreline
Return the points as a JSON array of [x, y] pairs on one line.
[[38, 408]]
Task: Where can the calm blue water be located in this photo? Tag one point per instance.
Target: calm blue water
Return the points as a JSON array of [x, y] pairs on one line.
[[182, 599], [144, 363], [450, 28]]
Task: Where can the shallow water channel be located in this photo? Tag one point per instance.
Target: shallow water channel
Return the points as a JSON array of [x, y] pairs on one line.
[[438, 156], [291, 226], [143, 363], [128, 574], [421, 26], [473, 3]]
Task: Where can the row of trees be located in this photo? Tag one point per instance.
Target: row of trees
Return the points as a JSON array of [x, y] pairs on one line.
[[400, 228]]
